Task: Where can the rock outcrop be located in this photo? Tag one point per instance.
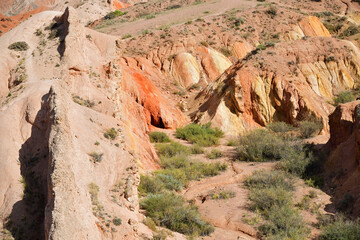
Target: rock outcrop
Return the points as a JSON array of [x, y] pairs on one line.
[[191, 63], [185, 70], [343, 165], [289, 82], [309, 27]]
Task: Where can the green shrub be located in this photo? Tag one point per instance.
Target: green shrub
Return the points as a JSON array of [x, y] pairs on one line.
[[126, 36], [225, 51], [295, 160], [260, 146], [171, 211], [171, 149], [117, 221], [150, 184], [158, 183], [159, 137], [280, 127], [351, 30], [203, 135], [111, 134], [272, 11], [233, 142], [284, 222], [265, 198], [180, 160], [96, 157], [223, 195], [114, 14], [150, 223], [214, 154], [270, 178], [196, 149], [344, 97], [341, 229], [94, 190], [169, 182], [309, 128], [19, 46], [193, 171]]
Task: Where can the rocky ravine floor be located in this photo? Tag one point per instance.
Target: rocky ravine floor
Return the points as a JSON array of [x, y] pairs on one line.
[[232, 217]]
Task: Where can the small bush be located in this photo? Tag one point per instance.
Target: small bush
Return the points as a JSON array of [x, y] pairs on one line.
[[94, 190], [284, 222], [150, 223], [225, 51], [150, 184], [193, 171], [126, 36], [203, 135], [171, 149], [96, 157], [295, 160], [350, 31], [196, 149], [223, 195], [309, 128], [272, 11], [265, 179], [265, 198], [111, 134], [19, 46], [214, 154], [233, 142], [280, 127], [117, 221], [159, 137], [114, 14], [171, 211], [179, 160], [344, 97], [83, 102], [260, 146], [341, 229]]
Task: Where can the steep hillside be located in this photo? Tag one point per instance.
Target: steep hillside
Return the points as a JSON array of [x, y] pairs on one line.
[[79, 124]]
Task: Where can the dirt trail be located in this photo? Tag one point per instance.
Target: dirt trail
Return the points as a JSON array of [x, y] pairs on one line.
[[177, 16]]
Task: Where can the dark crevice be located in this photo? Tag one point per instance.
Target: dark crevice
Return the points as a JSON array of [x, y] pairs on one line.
[[157, 122]]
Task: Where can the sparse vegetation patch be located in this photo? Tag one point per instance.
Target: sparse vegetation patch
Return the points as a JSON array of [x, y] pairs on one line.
[[203, 135], [19, 46]]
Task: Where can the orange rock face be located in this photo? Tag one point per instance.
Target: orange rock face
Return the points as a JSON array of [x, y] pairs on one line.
[[159, 112], [241, 49], [119, 5], [343, 165], [341, 123], [312, 27]]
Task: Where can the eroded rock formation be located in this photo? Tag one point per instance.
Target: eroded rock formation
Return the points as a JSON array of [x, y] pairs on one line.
[[343, 165], [289, 82]]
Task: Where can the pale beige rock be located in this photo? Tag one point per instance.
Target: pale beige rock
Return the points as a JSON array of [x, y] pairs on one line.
[[185, 69]]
